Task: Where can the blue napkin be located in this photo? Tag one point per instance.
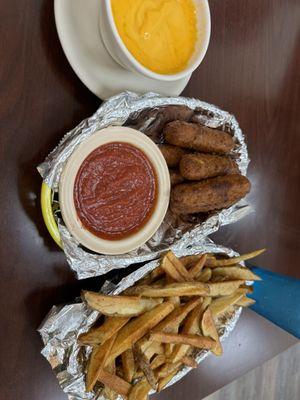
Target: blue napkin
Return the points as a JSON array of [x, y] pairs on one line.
[[278, 299]]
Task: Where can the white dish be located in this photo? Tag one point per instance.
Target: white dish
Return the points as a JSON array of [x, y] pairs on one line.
[[77, 23], [122, 55], [67, 181]]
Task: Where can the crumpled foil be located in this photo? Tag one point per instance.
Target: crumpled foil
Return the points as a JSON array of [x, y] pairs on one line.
[[64, 324], [118, 110]]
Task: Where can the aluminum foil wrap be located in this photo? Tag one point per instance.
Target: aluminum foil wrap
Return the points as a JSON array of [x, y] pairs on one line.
[[146, 114], [64, 324]]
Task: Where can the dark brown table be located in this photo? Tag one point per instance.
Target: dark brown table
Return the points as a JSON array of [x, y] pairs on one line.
[[251, 69]]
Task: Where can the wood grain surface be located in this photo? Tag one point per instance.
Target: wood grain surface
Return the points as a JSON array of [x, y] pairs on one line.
[[277, 379], [251, 70]]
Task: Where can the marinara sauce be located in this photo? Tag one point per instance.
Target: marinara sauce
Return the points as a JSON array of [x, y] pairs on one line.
[[115, 191]]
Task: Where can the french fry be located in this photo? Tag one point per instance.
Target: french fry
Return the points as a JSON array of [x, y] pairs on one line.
[[128, 365], [162, 383], [223, 288], [209, 329], [157, 362], [108, 392], [245, 302], [191, 326], [119, 306], [249, 288], [114, 383], [140, 390], [144, 364], [169, 347], [175, 300], [156, 274], [154, 348], [137, 328], [197, 268], [188, 261], [189, 362], [170, 258], [170, 290], [236, 273], [213, 262], [200, 342], [204, 275], [97, 361], [171, 271], [168, 368], [104, 332], [220, 305], [174, 319]]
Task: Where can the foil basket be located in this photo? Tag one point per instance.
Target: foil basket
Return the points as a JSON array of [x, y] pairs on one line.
[[147, 113], [64, 324]]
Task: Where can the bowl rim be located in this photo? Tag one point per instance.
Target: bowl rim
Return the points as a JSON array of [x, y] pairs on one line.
[[66, 187], [147, 72]]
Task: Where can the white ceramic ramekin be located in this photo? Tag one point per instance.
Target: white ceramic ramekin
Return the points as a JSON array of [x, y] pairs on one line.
[[67, 181], [122, 55]]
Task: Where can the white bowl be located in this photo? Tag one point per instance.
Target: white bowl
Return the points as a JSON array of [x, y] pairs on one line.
[[67, 181], [122, 55]]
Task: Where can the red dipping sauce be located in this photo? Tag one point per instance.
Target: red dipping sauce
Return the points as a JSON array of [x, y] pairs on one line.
[[115, 191]]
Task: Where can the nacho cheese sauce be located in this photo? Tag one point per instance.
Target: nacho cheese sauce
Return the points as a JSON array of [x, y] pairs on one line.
[[115, 191], [160, 34]]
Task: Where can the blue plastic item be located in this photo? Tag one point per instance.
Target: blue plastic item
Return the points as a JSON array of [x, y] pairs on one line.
[[278, 299]]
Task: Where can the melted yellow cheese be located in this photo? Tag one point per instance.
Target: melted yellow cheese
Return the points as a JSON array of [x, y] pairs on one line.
[[160, 34]]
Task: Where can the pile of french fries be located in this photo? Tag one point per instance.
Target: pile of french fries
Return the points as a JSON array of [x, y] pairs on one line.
[[155, 327]]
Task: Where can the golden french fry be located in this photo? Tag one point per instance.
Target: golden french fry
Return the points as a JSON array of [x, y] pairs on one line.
[[140, 390], [171, 322], [144, 364], [170, 290], [198, 341], [114, 383], [245, 302], [188, 261], [175, 300], [97, 361], [236, 273], [222, 304], [213, 262], [137, 328], [162, 383], [128, 365], [119, 306], [171, 271], [174, 319], [217, 278], [107, 392], [249, 288], [154, 348], [177, 265], [197, 268], [189, 362], [204, 275], [156, 274], [158, 360], [167, 369], [209, 329], [169, 347], [223, 288], [191, 326], [99, 335]]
